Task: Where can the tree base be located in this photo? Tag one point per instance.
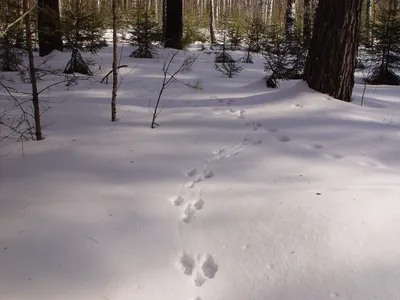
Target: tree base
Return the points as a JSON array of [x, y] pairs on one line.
[[77, 64], [271, 82], [224, 57], [248, 59], [142, 53]]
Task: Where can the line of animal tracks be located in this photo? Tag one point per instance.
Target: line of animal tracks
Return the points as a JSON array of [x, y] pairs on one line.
[[189, 200], [200, 268]]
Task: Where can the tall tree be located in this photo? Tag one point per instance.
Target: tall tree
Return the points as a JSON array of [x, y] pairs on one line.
[[212, 22], [114, 63], [368, 8], [307, 21], [174, 24], [32, 71], [332, 54], [290, 18], [269, 7], [49, 27], [164, 17]]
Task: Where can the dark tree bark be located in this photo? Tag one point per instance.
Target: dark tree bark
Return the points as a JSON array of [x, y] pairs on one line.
[[290, 18], [49, 27], [307, 22], [173, 28], [164, 16], [368, 21], [332, 54], [114, 64]]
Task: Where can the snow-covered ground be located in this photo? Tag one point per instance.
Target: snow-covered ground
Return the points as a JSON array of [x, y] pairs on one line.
[[242, 192]]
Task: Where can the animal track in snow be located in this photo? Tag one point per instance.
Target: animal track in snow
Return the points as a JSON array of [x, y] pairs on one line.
[[188, 213], [198, 204], [280, 137], [191, 184], [186, 264], [207, 174], [297, 105], [199, 269], [177, 200], [334, 295], [371, 163], [313, 146], [230, 150], [333, 156], [191, 208], [255, 125], [283, 138], [198, 280], [255, 143], [191, 172], [237, 112], [209, 267]]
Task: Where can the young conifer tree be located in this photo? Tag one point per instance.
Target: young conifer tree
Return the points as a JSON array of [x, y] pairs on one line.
[[83, 31], [386, 46], [10, 40], [146, 30]]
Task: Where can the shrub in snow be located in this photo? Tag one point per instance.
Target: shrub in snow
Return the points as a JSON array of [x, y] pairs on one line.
[[146, 30], [247, 59], [271, 82], [234, 35], [360, 65], [254, 33], [77, 64], [223, 57], [170, 77], [10, 54], [386, 45], [284, 58], [83, 30], [191, 32], [230, 69], [383, 75]]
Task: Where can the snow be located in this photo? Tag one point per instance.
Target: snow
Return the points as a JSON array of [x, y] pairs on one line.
[[242, 192]]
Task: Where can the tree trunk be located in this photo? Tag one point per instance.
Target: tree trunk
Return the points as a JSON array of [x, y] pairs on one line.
[[114, 64], [49, 27], [32, 72], [270, 7], [307, 22], [332, 55], [164, 17], [368, 21], [290, 18], [212, 23], [173, 28]]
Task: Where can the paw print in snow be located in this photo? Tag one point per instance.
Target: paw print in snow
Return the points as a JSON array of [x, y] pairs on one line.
[[199, 269]]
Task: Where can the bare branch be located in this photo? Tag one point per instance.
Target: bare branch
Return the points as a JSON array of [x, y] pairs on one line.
[[4, 31]]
